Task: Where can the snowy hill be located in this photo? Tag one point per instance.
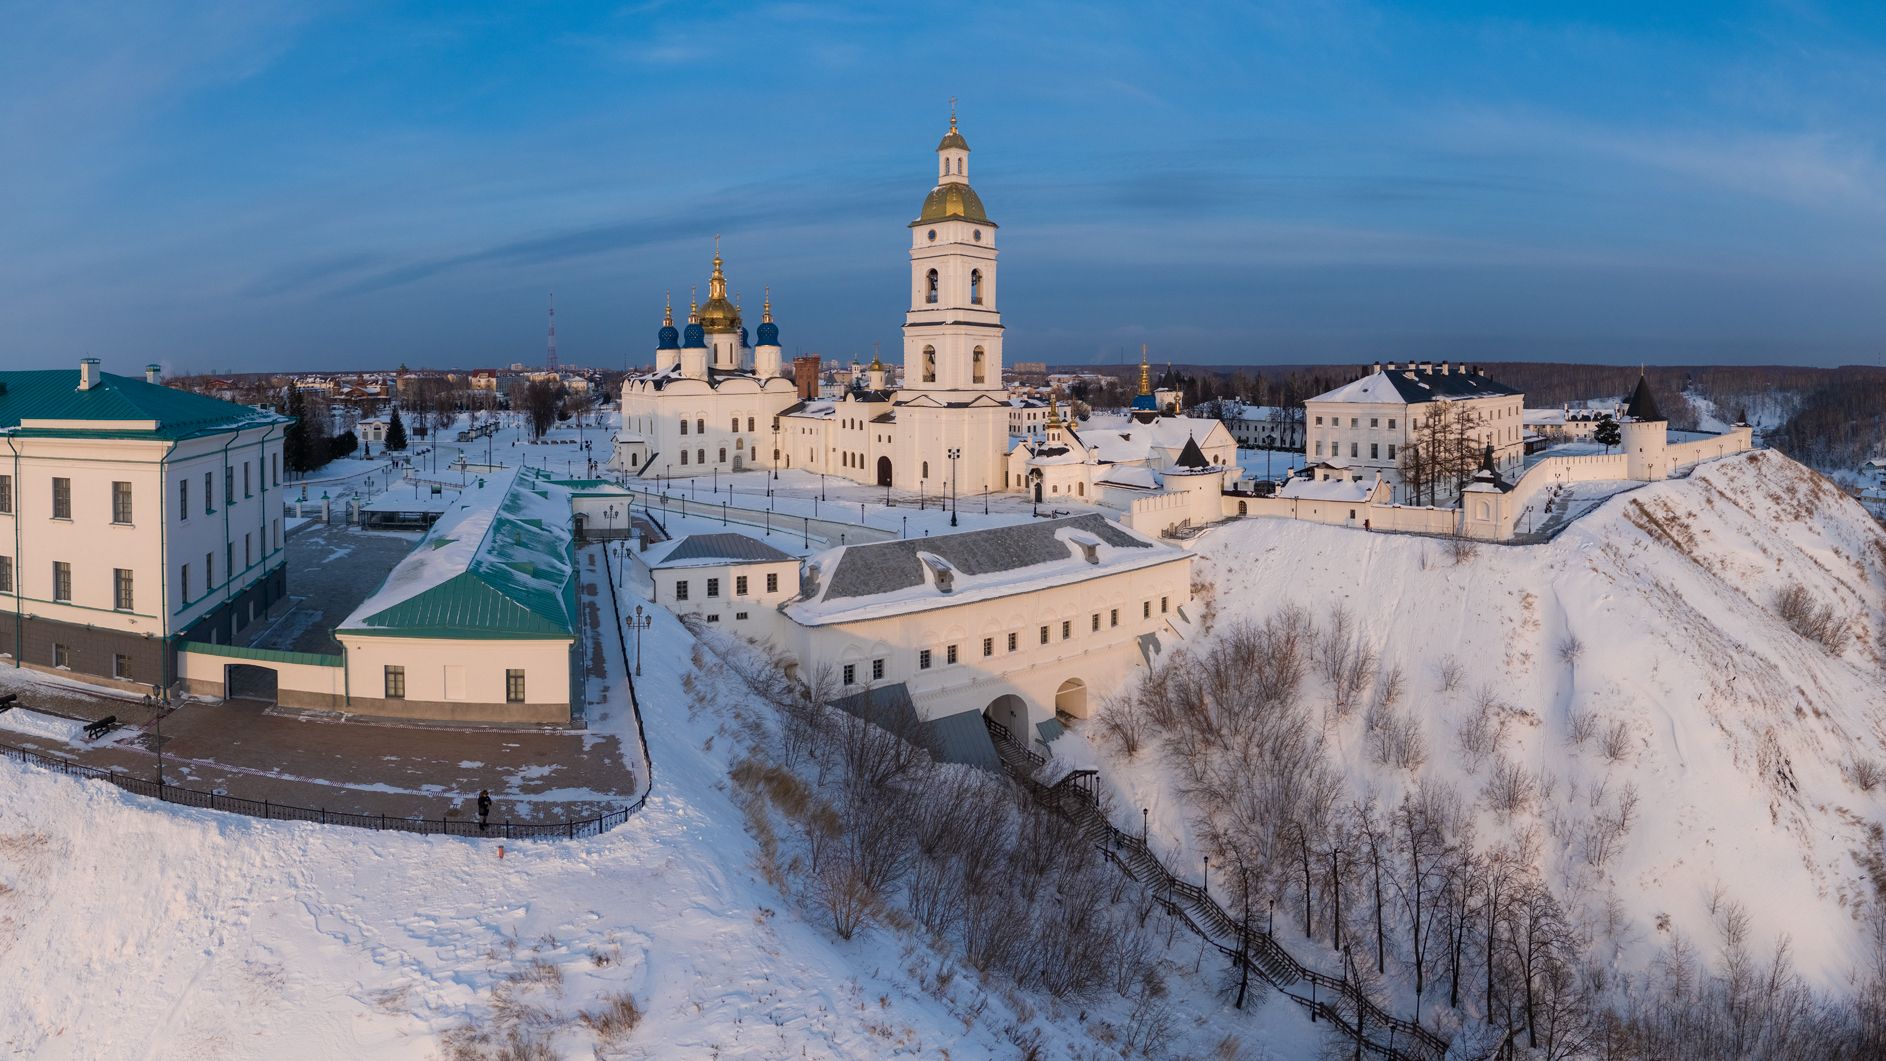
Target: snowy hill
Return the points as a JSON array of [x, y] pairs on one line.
[[1636, 671]]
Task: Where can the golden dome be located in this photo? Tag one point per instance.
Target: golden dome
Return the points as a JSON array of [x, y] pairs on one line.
[[952, 202], [717, 314], [953, 138]]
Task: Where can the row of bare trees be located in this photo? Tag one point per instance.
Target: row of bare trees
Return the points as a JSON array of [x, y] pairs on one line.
[[1404, 888], [884, 833]]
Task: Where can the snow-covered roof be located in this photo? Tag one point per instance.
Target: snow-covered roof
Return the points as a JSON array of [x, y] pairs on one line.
[[499, 564], [879, 579], [705, 550], [1406, 386], [1329, 489], [1136, 476]]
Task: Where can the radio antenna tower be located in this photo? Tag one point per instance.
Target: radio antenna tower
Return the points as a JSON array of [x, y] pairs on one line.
[[550, 359]]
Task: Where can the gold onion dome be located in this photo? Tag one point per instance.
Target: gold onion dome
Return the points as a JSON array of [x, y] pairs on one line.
[[717, 314]]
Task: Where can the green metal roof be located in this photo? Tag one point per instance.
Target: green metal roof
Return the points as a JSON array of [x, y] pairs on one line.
[[271, 655], [499, 568], [115, 405]]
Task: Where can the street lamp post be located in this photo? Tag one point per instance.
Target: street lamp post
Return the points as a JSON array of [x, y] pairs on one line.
[[954, 455], [640, 622]]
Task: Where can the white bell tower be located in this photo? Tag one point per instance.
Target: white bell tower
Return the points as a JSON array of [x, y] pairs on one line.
[[952, 332]]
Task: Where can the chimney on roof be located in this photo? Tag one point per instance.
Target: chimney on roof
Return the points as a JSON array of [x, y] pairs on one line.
[[1374, 367], [1427, 366], [1391, 366], [153, 374], [1443, 368], [88, 373]]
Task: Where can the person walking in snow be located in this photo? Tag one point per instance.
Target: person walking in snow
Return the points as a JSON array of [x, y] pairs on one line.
[[484, 808]]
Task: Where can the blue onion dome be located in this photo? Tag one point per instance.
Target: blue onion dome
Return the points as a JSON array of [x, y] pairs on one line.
[[769, 334], [668, 338], [743, 336], [693, 337], [1145, 401]]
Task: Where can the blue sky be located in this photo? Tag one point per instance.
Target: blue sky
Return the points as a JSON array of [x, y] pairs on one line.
[[242, 185]]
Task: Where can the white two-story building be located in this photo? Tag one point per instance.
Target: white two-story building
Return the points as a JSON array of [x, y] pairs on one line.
[[1361, 429]]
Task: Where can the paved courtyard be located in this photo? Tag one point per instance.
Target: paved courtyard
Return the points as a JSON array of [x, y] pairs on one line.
[[332, 568]]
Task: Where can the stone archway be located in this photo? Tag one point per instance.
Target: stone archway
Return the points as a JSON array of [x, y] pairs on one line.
[[884, 471], [1011, 713], [249, 683], [1071, 698]]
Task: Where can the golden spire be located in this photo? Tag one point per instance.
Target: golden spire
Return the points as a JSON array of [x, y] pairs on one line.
[[692, 311], [1054, 411], [667, 309], [1145, 372], [766, 307]]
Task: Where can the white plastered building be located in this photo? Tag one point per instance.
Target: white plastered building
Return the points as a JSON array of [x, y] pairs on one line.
[[1359, 430]]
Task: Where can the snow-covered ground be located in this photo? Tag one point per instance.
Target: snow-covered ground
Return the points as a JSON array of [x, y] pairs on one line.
[[129, 929], [1656, 613]]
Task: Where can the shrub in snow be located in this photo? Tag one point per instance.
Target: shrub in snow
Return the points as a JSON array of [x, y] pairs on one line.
[[1817, 622]]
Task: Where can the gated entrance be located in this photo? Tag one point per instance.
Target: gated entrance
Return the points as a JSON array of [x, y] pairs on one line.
[[249, 683]]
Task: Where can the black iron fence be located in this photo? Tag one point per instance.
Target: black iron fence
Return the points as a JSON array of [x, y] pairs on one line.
[[1335, 999], [261, 808]]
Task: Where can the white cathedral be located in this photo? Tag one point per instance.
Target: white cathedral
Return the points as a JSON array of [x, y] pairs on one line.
[[713, 402]]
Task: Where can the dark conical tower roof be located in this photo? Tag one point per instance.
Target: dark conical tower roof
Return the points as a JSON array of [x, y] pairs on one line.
[[1191, 456], [1642, 405]]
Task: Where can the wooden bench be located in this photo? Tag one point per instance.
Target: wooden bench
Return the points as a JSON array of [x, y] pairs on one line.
[[95, 730]]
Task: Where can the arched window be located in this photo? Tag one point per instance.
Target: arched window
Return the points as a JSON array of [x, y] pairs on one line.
[[700, 426], [736, 424], [700, 456], [684, 456], [749, 425], [926, 469], [981, 373], [1081, 489], [975, 286], [929, 291], [684, 427], [723, 454], [959, 165], [929, 364]]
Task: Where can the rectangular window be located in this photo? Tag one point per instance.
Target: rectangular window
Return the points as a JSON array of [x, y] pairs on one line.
[[1096, 628], [1375, 450], [183, 499], [277, 532], [740, 586], [6, 574], [1164, 603], [1319, 447], [1067, 629], [923, 659], [61, 656], [209, 571], [121, 589], [1391, 423], [396, 683], [1044, 635], [740, 615], [877, 670], [6, 493], [275, 469], [247, 491], [183, 583], [681, 590], [229, 486], [713, 587], [61, 580], [513, 686], [1391, 451], [1373, 422], [1011, 642], [1354, 449], [949, 654], [1319, 421], [248, 550], [121, 667], [851, 674], [1146, 610], [209, 493], [772, 582], [1355, 422], [61, 498], [1113, 617], [229, 559]]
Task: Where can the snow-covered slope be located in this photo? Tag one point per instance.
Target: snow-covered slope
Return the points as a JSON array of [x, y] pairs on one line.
[[1657, 613]]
